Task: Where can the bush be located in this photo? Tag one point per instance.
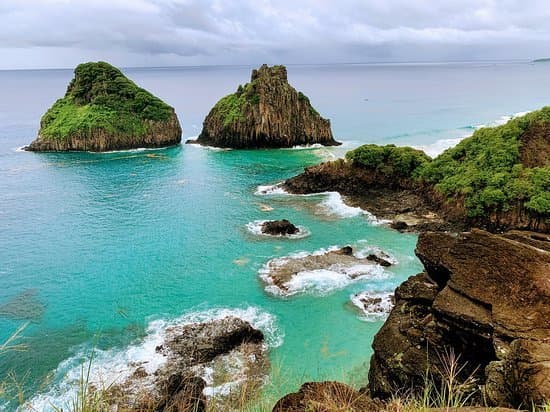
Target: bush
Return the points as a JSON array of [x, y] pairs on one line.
[[389, 160]]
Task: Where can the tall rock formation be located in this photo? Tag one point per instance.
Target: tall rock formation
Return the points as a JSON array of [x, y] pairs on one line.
[[265, 113], [483, 300], [103, 110]]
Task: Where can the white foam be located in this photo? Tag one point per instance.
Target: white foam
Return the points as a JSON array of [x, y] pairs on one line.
[[213, 148], [117, 365], [377, 307], [334, 205], [322, 281], [266, 190], [375, 250], [255, 228], [20, 149]]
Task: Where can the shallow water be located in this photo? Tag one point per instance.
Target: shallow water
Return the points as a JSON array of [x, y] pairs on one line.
[[95, 247]]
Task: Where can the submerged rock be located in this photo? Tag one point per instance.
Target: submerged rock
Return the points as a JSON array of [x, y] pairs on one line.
[[103, 110], [279, 228], [265, 113], [484, 303], [319, 272]]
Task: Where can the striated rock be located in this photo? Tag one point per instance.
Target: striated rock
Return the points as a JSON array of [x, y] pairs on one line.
[[103, 110], [484, 303], [279, 228], [327, 396], [265, 113]]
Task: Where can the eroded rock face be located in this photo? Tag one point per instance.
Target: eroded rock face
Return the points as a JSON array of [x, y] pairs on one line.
[[279, 228], [265, 113], [226, 355], [484, 298]]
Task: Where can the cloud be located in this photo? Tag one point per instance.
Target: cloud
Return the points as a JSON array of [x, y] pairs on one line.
[[138, 32]]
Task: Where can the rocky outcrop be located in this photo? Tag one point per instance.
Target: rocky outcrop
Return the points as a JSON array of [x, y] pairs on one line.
[[298, 273], [279, 228], [265, 113], [396, 200], [103, 110], [482, 303], [198, 359]]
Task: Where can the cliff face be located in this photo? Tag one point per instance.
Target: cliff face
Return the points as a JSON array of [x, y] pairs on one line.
[[483, 297], [103, 110], [265, 113]]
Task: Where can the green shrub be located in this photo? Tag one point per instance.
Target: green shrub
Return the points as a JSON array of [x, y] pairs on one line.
[[389, 160], [486, 170], [101, 97]]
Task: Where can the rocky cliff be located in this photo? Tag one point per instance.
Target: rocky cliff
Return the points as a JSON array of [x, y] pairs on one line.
[[484, 302], [103, 110], [265, 113], [497, 179]]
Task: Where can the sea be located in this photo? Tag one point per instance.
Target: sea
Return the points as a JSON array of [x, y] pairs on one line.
[[100, 251]]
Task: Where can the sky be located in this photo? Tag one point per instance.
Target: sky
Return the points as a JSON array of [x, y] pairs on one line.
[[63, 33]]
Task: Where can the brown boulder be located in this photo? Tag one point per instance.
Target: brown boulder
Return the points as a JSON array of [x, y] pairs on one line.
[[484, 301], [279, 228]]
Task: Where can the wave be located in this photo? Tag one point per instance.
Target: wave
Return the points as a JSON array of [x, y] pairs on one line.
[[321, 281], [374, 306], [118, 364], [267, 190], [255, 228]]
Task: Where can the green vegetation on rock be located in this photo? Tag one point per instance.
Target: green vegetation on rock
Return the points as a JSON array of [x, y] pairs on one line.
[[101, 97], [233, 106], [484, 170], [389, 159]]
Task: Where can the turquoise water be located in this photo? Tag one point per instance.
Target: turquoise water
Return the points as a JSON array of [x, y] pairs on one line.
[[97, 246]]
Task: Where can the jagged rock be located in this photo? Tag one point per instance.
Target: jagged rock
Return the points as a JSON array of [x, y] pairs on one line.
[[103, 110], [229, 347], [399, 225], [377, 259], [327, 397], [265, 113], [484, 298], [279, 228]]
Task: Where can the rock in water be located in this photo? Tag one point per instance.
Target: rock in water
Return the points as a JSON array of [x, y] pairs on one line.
[[484, 301], [103, 110], [265, 113], [279, 228]]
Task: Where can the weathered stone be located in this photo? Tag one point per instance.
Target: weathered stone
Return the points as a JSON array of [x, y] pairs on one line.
[[265, 113]]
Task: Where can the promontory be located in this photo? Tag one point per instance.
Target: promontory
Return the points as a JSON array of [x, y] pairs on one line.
[[103, 110], [265, 113]]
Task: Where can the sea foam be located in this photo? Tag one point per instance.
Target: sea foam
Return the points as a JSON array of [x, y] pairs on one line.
[[116, 365]]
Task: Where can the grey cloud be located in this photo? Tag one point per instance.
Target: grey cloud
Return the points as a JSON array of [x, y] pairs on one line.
[[220, 31]]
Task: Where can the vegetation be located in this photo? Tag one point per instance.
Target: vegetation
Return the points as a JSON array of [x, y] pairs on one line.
[[389, 160], [233, 107], [484, 170], [101, 97]]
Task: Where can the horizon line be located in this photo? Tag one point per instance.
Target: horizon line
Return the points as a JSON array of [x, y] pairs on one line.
[[382, 63]]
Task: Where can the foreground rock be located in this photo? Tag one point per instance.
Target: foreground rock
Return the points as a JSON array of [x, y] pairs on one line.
[[224, 359], [265, 113], [319, 272], [484, 303], [326, 397], [279, 228], [332, 396], [103, 110]]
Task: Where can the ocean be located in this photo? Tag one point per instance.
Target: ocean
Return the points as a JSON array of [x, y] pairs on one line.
[[101, 251]]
